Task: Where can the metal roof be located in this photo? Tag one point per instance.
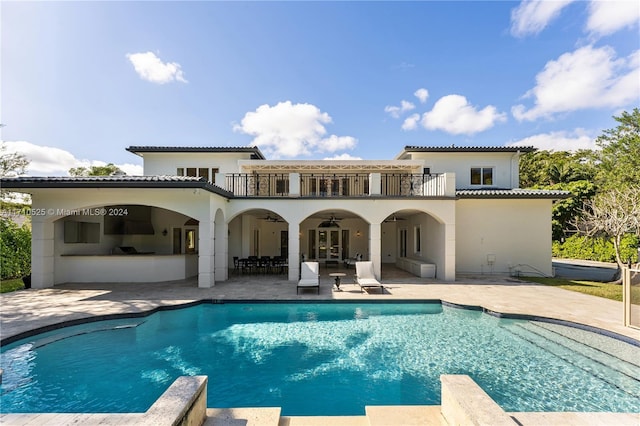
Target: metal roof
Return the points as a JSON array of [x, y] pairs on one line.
[[255, 152], [512, 193]]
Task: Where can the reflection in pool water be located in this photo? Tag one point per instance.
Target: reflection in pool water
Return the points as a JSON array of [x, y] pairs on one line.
[[319, 359]]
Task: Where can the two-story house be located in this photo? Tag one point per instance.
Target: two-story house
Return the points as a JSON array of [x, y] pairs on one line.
[[433, 211]]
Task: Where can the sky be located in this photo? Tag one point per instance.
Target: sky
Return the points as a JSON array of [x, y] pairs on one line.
[[81, 81]]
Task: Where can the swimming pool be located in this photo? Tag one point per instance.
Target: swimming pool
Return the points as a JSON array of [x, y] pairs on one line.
[[319, 359]]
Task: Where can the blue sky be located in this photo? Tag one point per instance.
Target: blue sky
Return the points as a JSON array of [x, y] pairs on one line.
[[81, 81]]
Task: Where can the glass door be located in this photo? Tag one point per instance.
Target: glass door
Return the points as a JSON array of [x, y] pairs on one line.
[[334, 253], [322, 244]]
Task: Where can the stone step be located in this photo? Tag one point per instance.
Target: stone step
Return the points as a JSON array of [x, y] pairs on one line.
[[405, 415], [324, 421], [263, 416]]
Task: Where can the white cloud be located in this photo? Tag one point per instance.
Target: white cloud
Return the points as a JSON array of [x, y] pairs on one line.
[[607, 17], [532, 16], [586, 78], [453, 114], [149, 67], [411, 122], [422, 94], [290, 130], [342, 157], [559, 141], [50, 161], [396, 111]]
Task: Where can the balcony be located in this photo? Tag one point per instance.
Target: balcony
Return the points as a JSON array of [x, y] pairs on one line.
[[330, 185]]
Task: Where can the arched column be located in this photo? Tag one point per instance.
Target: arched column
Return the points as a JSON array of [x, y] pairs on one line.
[[42, 252], [206, 258], [294, 251], [221, 253], [375, 248]]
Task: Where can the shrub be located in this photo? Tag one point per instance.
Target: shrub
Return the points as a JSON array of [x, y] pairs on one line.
[[599, 249], [15, 250]]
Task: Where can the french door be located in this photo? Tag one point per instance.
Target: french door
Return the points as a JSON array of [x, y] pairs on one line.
[[328, 244]]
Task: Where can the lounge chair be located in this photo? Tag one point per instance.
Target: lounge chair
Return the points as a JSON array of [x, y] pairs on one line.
[[309, 276], [365, 276]]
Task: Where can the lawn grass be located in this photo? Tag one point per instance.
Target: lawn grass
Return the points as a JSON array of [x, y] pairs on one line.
[[11, 285], [593, 288]]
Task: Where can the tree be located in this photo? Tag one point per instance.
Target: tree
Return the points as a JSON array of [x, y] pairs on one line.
[[619, 157], [15, 247], [612, 214], [12, 163], [108, 170]]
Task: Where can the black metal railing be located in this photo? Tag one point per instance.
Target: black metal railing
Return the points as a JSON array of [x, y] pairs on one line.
[[336, 185], [258, 184], [412, 185]]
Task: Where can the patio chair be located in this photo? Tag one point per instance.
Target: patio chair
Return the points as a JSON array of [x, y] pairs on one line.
[[309, 276], [365, 276]]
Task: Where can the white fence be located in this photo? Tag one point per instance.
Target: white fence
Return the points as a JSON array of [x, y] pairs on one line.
[[631, 296]]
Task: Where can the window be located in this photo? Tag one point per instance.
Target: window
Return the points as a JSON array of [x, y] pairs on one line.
[[403, 243], [417, 239], [426, 171], [482, 176], [202, 172]]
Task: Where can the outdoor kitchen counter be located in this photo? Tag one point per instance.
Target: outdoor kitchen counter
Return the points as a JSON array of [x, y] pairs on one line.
[[138, 267]]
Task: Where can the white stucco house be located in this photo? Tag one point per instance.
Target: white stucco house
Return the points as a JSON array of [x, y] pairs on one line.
[[434, 211]]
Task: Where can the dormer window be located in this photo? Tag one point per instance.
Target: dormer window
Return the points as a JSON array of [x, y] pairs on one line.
[[482, 176]]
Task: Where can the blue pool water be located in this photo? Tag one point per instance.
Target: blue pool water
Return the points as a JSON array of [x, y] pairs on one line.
[[312, 359]]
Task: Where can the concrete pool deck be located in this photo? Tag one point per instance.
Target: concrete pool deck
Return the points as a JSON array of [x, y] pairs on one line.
[[32, 309]]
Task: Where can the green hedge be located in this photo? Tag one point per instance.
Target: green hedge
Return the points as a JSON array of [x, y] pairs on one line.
[[15, 250], [599, 249]]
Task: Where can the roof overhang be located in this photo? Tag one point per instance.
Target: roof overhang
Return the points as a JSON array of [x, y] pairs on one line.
[[28, 184], [513, 193], [455, 149], [255, 152]]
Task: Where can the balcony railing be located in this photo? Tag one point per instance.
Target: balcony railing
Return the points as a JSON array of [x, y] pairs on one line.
[[334, 185], [319, 185], [412, 185], [258, 185]]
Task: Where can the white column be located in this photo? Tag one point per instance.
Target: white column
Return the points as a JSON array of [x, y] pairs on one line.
[[450, 185], [449, 252], [294, 251], [375, 183], [375, 247], [206, 247], [294, 185], [42, 253], [221, 251]]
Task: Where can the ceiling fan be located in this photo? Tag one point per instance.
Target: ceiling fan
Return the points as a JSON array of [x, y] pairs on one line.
[[393, 218], [270, 218], [331, 222]]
